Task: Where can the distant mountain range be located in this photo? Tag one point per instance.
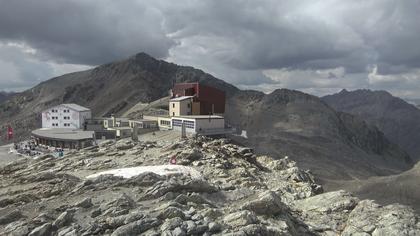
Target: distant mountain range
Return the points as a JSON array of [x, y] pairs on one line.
[[399, 120], [5, 95], [334, 145]]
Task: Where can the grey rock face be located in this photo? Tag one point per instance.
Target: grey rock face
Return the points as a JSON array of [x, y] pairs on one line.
[[10, 217], [241, 218], [371, 218], [136, 227], [85, 203], [63, 219], [235, 193], [327, 211], [267, 203], [43, 230], [171, 212]]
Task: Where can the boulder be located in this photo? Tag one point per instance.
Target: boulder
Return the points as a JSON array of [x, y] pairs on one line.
[[215, 227], [244, 150], [171, 224], [241, 218], [68, 231], [178, 232], [17, 228], [178, 184], [43, 230], [171, 212], [118, 221], [136, 227], [84, 203], [267, 203], [188, 156], [64, 219]]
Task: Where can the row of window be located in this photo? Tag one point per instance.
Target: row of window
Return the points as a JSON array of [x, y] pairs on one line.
[[65, 110], [188, 124], [56, 117], [65, 124], [165, 122]]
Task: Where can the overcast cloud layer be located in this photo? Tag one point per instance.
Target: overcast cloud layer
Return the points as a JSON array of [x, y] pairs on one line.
[[317, 46]]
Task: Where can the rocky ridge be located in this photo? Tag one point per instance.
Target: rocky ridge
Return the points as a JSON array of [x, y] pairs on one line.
[[240, 193], [331, 144], [396, 118]]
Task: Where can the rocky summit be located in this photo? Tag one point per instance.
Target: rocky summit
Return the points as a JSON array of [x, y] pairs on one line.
[[216, 188]]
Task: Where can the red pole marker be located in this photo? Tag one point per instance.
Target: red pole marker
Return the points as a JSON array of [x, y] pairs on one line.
[[9, 133], [173, 160]]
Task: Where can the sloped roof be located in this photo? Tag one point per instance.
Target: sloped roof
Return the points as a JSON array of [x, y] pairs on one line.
[[180, 98], [76, 107]]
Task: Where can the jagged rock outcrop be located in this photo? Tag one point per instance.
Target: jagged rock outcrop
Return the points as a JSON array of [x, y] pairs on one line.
[[238, 193]]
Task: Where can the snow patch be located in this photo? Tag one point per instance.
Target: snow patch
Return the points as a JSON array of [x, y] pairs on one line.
[[160, 170]]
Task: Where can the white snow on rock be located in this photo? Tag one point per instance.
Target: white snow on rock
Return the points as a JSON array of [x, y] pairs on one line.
[[159, 169]]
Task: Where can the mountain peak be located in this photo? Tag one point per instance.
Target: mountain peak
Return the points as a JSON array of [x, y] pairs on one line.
[[143, 55], [143, 58]]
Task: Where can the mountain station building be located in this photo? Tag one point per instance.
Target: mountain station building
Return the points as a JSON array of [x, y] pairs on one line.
[[67, 116]]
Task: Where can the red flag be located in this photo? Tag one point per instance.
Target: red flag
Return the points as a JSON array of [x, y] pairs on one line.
[[9, 133]]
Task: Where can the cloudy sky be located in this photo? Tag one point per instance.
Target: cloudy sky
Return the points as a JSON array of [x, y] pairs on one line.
[[316, 46]]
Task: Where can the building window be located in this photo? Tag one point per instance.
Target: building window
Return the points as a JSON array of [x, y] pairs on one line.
[[189, 105], [173, 105], [176, 122], [173, 113], [165, 122], [188, 124]]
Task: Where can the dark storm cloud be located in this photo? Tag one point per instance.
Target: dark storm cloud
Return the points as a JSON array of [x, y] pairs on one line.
[[84, 32], [303, 44], [307, 34]]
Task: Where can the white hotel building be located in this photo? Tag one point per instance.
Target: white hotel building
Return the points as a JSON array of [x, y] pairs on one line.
[[71, 116]]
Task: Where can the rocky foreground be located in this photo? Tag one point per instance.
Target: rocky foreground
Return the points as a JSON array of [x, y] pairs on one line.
[[239, 193]]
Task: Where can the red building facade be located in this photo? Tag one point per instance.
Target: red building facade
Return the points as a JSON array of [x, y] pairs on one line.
[[212, 100]]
